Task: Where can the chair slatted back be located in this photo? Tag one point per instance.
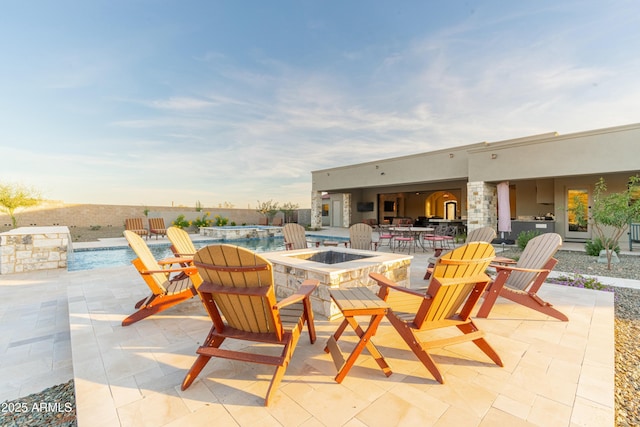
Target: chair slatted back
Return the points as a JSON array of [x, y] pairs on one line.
[[455, 275], [181, 242], [536, 254], [360, 236], [147, 260], [294, 236], [482, 234], [133, 224], [241, 284], [156, 223]]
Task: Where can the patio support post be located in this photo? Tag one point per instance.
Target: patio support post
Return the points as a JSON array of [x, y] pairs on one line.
[[346, 210], [316, 209], [482, 205]]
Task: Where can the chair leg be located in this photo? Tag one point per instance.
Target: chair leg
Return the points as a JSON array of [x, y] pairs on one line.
[[275, 382], [308, 315], [482, 344], [197, 366], [491, 294], [534, 302], [155, 304], [202, 360], [412, 341]]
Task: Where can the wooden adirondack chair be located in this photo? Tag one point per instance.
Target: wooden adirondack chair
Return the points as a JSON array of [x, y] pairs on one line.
[[181, 243], [361, 237], [157, 227], [238, 293], [457, 282], [166, 291], [294, 236], [137, 226], [520, 283], [482, 234]]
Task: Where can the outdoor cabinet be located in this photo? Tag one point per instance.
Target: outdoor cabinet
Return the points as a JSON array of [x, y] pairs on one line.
[[544, 191]]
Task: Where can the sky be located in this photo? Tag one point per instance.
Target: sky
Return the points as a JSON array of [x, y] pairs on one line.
[[161, 103]]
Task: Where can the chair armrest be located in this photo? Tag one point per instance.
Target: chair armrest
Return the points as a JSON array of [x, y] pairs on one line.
[[174, 260], [307, 287], [385, 282], [504, 260], [480, 278], [187, 270], [499, 268]]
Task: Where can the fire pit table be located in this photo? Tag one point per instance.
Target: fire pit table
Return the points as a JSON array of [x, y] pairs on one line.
[[334, 267]]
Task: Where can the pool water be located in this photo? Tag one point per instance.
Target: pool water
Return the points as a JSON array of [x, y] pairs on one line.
[[89, 259]]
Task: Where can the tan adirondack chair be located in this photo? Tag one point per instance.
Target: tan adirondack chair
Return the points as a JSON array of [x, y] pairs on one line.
[[181, 243], [482, 234], [361, 237], [137, 226], [520, 283], [166, 291], [157, 227], [294, 236], [457, 282], [238, 293]]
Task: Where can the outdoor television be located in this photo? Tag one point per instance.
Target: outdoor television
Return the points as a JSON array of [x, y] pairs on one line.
[[365, 206]]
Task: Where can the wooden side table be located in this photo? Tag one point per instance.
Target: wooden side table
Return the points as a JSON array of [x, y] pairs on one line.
[[357, 302]]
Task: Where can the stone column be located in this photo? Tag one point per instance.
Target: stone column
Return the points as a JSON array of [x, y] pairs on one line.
[[346, 210], [482, 205], [316, 209]]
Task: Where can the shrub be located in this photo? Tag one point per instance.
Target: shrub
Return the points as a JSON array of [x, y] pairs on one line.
[[593, 247], [221, 221], [525, 236], [181, 222], [205, 221]]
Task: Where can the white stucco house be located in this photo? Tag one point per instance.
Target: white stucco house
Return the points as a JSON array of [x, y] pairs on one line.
[[546, 174]]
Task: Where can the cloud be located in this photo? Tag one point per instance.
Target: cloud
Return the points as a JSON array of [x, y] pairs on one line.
[[181, 103]]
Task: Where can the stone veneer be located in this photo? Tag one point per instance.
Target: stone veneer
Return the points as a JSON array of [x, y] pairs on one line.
[[34, 248], [290, 270], [240, 232], [482, 205]]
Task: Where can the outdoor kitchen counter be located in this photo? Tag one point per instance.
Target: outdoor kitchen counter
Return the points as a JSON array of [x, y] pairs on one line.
[[543, 226]]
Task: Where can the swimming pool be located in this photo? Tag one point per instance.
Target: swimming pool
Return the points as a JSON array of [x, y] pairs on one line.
[[89, 259]]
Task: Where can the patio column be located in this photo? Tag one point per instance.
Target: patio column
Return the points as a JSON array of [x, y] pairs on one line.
[[316, 209], [346, 210], [482, 205]]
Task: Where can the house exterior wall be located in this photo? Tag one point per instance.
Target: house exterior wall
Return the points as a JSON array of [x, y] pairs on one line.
[[547, 163], [592, 152]]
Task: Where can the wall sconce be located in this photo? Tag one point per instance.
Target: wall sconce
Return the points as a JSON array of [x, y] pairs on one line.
[[494, 156]]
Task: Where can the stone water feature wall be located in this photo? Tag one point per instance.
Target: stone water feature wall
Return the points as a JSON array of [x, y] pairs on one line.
[[232, 233], [34, 248]]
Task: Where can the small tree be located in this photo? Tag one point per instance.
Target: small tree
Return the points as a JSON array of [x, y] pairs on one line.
[[268, 209], [15, 196], [612, 213], [288, 209]]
